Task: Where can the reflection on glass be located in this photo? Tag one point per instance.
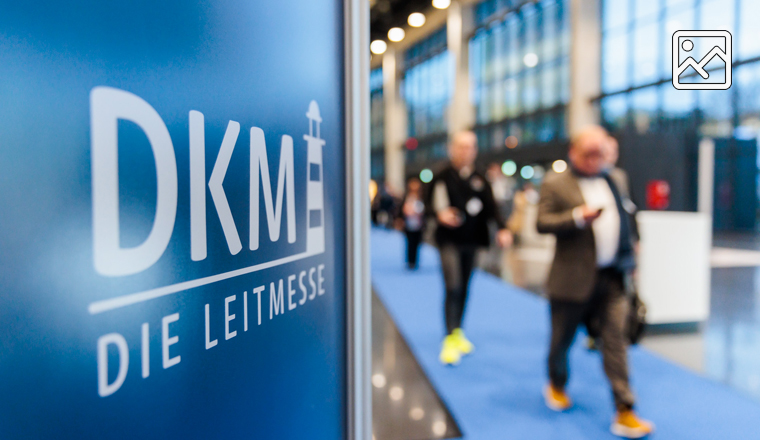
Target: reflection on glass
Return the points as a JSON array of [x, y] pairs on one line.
[[378, 380], [396, 393], [416, 413], [439, 428]]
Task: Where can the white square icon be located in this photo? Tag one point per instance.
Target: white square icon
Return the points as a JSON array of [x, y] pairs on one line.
[[692, 74]]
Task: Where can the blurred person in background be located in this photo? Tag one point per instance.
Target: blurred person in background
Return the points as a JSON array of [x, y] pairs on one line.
[[412, 218], [584, 209], [461, 202], [527, 195], [502, 187], [503, 191], [384, 206]]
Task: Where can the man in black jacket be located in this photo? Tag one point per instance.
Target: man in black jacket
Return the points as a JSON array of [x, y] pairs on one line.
[[461, 201]]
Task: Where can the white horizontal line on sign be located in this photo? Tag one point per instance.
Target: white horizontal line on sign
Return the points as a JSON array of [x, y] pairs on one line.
[[147, 295]]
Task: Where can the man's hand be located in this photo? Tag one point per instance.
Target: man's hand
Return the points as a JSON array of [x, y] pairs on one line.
[[590, 214], [450, 217], [504, 238]]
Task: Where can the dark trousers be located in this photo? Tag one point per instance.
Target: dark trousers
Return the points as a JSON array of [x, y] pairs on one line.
[[608, 306], [413, 240], [457, 263]]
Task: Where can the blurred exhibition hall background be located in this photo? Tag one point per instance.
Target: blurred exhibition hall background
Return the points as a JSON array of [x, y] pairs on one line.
[[525, 76]]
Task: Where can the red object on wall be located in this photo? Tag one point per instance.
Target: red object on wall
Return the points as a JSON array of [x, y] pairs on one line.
[[658, 195]]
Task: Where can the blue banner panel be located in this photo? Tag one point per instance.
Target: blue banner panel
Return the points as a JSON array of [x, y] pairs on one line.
[[172, 249]]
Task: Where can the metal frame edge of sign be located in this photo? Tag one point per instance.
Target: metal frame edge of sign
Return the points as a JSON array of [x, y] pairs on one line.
[[358, 304]]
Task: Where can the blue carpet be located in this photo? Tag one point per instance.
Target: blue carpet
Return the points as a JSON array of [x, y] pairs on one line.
[[496, 392]]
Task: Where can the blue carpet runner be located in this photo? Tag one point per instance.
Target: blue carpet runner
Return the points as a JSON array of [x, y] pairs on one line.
[[496, 392]]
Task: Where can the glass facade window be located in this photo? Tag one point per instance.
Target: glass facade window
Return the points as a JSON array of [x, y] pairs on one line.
[[747, 33], [427, 92], [747, 79], [377, 123], [636, 63], [636, 49], [615, 110], [427, 85], [638, 97], [519, 77]]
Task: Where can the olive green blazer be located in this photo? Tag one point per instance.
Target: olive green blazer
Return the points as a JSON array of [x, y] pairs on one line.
[[573, 272]]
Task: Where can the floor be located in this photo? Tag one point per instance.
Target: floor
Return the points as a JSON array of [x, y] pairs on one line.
[[496, 393], [725, 348], [404, 404]]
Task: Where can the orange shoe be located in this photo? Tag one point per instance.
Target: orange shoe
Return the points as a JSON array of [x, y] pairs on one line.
[[556, 400], [628, 425]]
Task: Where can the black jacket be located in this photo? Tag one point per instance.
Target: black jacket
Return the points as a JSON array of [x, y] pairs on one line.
[[474, 191]]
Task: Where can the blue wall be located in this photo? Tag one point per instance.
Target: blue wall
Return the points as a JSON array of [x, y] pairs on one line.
[[258, 63]]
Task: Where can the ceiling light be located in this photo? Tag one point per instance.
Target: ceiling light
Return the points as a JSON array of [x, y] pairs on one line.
[[416, 19], [396, 393], [511, 142], [527, 172], [378, 47], [559, 166], [530, 59], [396, 34], [416, 413], [441, 4], [439, 428], [378, 380], [509, 168], [426, 175]]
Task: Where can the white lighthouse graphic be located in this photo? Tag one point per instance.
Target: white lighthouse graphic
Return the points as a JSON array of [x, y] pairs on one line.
[[315, 200]]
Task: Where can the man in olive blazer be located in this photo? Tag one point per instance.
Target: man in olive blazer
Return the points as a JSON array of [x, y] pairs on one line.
[[586, 208], [573, 270]]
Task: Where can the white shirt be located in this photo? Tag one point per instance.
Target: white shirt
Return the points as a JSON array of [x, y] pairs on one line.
[[597, 194]]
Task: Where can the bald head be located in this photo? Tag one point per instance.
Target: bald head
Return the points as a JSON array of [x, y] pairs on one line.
[[588, 150], [463, 149]]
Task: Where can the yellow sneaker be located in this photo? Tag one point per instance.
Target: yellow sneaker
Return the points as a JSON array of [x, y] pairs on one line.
[[556, 400], [450, 354], [628, 425], [462, 343]]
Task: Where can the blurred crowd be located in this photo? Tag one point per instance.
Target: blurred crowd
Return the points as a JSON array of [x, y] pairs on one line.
[[470, 216]]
